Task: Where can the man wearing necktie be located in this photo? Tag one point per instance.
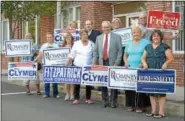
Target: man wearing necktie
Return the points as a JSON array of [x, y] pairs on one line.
[[108, 49]]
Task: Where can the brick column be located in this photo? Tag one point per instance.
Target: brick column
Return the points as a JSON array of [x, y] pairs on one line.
[[47, 25]]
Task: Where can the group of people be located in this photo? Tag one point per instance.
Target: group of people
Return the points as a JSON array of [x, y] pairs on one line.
[[146, 50]]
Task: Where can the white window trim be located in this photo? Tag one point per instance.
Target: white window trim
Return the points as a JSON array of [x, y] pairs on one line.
[[173, 41], [8, 31], [74, 13]]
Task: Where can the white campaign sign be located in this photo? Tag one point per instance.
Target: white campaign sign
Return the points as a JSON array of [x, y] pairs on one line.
[[125, 33], [120, 78], [94, 76], [22, 71], [14, 48], [56, 56]]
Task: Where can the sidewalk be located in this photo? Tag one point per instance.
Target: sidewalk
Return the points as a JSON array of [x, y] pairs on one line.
[[173, 107]]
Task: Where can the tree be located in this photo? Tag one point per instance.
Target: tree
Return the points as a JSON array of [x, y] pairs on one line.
[[18, 11]]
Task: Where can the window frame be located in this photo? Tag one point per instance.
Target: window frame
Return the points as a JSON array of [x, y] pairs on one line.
[[74, 8], [174, 41]]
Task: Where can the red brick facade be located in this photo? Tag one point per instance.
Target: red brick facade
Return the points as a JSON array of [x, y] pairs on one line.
[[100, 11]]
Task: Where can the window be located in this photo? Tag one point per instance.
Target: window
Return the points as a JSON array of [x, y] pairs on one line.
[[71, 14], [178, 44], [128, 12], [4, 33]]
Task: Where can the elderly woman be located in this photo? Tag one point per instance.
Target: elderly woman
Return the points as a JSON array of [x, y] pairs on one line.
[[69, 88], [157, 56], [82, 53], [132, 58]]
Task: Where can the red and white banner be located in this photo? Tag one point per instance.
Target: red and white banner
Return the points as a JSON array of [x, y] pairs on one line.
[[163, 20]]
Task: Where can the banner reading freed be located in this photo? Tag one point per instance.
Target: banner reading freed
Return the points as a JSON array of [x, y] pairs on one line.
[[60, 33], [156, 81], [22, 71], [56, 56], [121, 78], [14, 48], [163, 20], [62, 74], [95, 76]]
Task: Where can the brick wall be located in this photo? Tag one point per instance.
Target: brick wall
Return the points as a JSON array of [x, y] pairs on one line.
[[46, 25], [97, 12]]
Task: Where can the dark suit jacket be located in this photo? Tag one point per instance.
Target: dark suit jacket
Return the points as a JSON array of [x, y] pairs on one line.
[[93, 35]]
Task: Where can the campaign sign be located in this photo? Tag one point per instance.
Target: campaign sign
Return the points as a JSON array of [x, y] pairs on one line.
[[22, 71], [163, 20], [126, 35], [14, 48], [121, 78], [62, 74], [59, 34], [95, 76], [56, 56], [156, 81]]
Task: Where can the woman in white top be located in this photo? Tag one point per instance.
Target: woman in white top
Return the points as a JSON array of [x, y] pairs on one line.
[[82, 53]]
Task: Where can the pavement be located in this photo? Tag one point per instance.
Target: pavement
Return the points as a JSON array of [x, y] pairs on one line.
[[17, 106]]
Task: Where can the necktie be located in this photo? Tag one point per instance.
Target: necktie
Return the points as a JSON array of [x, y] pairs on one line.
[[105, 55]]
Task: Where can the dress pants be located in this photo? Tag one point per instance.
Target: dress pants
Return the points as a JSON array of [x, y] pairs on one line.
[[77, 92], [114, 92]]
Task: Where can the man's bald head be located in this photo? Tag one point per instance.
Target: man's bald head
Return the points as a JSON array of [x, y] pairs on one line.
[[106, 27]]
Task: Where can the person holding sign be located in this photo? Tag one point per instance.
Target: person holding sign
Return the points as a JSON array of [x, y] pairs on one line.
[[147, 32], [82, 53], [48, 44], [29, 59], [132, 58], [69, 88], [108, 52], [157, 56]]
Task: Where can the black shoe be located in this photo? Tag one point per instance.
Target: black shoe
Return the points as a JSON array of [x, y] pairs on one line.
[[105, 105], [28, 93]]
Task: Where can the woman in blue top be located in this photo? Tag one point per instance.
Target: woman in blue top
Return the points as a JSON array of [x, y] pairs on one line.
[[132, 58]]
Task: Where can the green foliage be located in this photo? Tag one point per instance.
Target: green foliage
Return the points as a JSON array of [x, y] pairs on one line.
[[18, 11]]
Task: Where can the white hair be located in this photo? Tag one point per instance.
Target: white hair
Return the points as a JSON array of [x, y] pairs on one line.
[[106, 22]]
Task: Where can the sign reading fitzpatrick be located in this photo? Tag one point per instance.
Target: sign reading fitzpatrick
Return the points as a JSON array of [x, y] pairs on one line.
[[14, 48], [163, 20], [62, 74]]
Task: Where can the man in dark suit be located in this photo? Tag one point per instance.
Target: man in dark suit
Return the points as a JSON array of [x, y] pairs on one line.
[[92, 34], [108, 52]]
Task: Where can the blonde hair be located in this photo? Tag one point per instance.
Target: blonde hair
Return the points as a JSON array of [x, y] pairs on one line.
[[136, 28]]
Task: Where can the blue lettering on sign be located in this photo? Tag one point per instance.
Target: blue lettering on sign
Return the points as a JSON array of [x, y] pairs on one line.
[[17, 72], [96, 78]]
